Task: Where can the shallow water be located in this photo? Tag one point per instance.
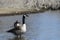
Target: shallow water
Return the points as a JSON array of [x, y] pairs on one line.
[[41, 26]]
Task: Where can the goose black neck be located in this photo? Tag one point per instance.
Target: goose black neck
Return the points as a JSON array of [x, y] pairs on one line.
[[23, 19]]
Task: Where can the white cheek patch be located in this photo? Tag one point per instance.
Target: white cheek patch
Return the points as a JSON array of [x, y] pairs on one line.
[[25, 15]]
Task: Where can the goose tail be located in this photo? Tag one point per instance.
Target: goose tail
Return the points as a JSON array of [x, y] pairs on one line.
[[11, 30]]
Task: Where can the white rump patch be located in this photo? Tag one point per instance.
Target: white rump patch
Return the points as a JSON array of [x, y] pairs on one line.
[[18, 24]]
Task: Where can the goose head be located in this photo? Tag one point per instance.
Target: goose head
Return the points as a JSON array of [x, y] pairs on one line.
[[25, 15]]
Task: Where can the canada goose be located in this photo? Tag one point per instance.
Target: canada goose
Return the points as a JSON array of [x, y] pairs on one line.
[[19, 28]]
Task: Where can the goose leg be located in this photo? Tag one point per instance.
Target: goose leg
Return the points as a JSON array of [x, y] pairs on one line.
[[20, 36]]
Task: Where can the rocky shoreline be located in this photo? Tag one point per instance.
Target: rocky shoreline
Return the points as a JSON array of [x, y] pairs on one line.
[[16, 7]]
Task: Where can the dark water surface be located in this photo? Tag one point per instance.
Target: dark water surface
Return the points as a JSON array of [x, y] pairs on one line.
[[41, 26]]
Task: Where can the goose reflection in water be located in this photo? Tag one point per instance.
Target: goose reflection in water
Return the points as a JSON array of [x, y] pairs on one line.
[[17, 38]]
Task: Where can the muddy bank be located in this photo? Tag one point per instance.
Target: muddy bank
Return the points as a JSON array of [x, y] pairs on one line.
[[12, 11]]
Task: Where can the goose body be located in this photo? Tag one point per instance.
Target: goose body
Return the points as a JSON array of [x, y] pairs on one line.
[[23, 28], [18, 27]]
